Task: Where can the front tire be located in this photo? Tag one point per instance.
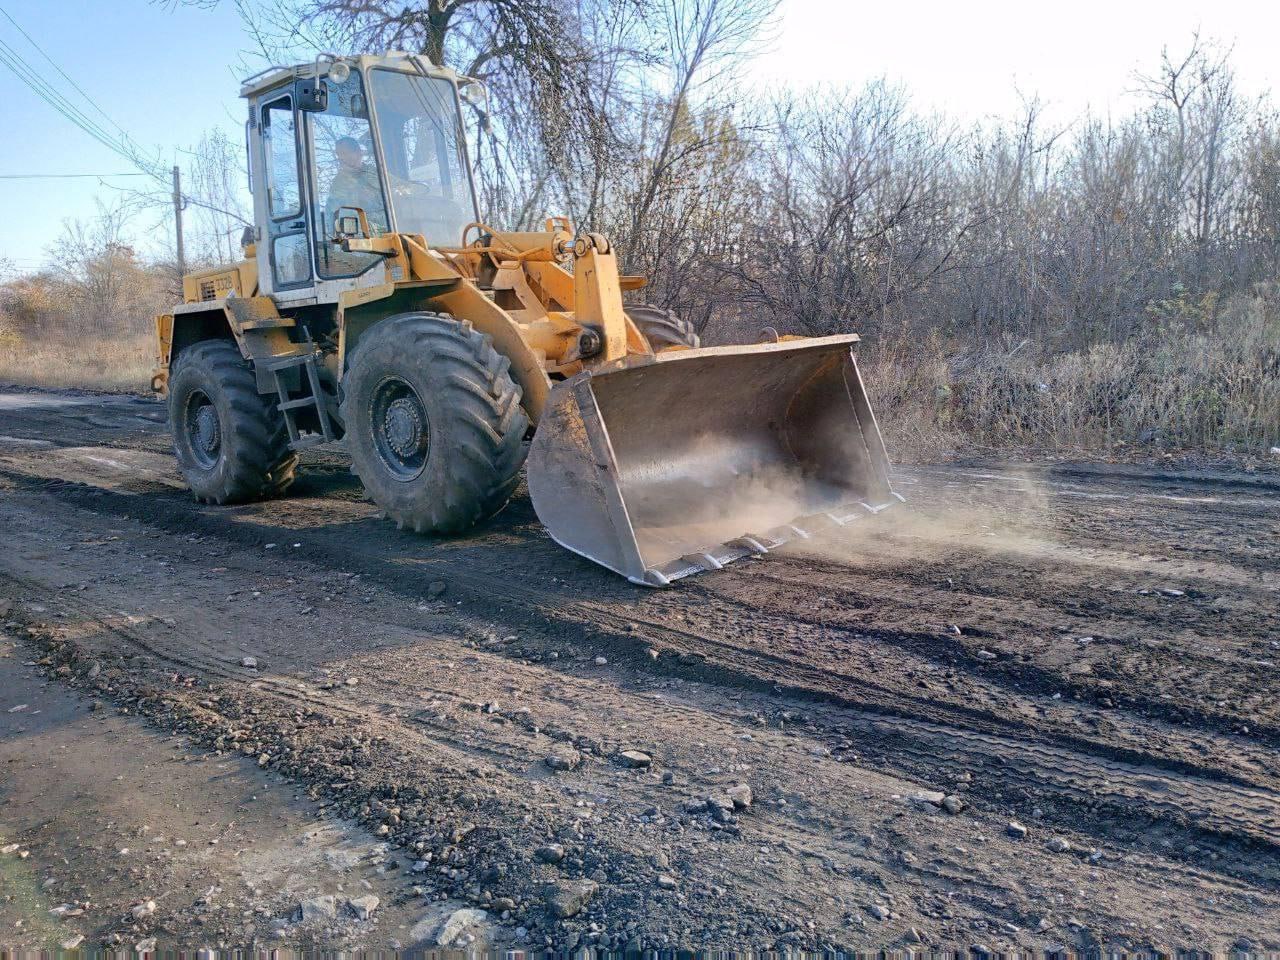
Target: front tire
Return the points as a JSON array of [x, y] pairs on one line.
[[662, 328], [434, 423], [231, 442]]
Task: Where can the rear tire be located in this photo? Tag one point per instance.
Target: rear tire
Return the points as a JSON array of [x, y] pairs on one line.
[[662, 328], [434, 423], [230, 441]]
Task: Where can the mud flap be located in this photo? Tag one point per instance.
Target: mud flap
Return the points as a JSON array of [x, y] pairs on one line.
[[689, 460]]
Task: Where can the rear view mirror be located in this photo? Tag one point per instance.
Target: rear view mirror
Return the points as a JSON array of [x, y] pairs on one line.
[[311, 94]]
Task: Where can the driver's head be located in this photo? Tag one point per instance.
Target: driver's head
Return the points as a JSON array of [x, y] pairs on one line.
[[349, 153]]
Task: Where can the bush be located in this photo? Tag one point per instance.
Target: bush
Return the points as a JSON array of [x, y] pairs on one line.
[[1173, 386], [28, 302]]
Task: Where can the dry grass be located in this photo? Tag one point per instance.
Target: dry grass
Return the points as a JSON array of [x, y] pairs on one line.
[[122, 362], [87, 320], [1176, 388]]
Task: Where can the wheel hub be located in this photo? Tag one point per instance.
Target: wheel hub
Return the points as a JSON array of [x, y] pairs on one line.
[[204, 431], [403, 427], [208, 432], [398, 424]]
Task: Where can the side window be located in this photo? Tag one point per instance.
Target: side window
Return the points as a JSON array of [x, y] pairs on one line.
[[346, 175], [279, 138]]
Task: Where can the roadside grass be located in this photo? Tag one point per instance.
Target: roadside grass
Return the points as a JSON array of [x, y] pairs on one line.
[[1212, 391], [59, 359], [1181, 386]]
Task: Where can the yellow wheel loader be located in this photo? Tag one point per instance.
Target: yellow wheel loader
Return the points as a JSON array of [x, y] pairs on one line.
[[374, 306]]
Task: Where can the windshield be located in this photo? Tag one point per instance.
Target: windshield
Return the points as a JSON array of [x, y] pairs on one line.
[[422, 148]]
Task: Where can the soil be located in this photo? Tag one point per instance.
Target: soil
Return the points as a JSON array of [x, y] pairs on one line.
[[1036, 706]]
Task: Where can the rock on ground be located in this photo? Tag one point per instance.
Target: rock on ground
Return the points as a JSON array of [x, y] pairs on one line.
[[324, 907], [449, 927], [567, 898], [363, 907], [635, 758], [563, 758]]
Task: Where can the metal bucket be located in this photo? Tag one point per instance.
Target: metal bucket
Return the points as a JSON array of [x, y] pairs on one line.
[[683, 462]]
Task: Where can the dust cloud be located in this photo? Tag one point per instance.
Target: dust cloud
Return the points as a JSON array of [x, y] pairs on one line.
[[755, 503], [717, 492], [1013, 516]]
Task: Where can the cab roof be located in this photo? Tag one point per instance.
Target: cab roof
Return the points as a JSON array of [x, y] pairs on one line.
[[276, 75]]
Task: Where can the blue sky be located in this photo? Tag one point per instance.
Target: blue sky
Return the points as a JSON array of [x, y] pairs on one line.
[[163, 76], [168, 75]]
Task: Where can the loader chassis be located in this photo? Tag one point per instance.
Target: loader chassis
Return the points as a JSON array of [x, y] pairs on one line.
[[374, 305]]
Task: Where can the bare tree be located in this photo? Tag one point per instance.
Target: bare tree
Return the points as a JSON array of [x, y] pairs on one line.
[[703, 42], [97, 282], [832, 210], [217, 191], [531, 54]]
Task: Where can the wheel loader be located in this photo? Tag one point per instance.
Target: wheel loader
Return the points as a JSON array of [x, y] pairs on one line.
[[374, 306]]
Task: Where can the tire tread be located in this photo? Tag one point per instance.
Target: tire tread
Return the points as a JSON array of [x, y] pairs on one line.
[[486, 423], [663, 328], [261, 464]]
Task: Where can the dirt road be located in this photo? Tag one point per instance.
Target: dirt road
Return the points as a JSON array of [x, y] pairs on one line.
[[1040, 706]]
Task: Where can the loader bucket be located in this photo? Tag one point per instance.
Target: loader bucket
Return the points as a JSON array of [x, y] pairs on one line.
[[669, 465]]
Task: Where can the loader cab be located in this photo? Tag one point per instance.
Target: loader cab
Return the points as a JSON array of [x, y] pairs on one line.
[[348, 147]]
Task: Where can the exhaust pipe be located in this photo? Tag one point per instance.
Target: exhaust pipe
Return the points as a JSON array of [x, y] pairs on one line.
[[669, 465]]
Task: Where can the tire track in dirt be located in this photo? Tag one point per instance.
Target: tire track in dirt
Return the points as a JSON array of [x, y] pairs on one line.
[[1106, 773], [1203, 809], [1226, 757], [874, 609], [512, 577], [1244, 813], [591, 622], [795, 839]]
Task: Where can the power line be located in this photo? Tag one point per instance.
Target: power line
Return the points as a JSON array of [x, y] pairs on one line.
[[64, 176], [43, 89], [75, 86], [124, 146]]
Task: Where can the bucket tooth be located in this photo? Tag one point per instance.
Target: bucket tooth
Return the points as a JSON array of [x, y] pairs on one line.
[[751, 543], [797, 532], [847, 513]]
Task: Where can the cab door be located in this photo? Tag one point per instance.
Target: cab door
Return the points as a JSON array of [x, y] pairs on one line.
[[288, 237]]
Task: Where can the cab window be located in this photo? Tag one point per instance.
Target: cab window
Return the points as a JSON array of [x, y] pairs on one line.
[[283, 196], [346, 176], [423, 145]]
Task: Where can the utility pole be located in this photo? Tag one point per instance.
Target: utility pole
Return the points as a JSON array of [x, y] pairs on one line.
[[177, 219]]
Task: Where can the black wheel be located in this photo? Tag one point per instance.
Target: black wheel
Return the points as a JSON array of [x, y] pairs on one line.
[[230, 441], [434, 423], [662, 328]]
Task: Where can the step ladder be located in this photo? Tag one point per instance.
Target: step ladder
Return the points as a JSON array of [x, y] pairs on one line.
[[309, 361]]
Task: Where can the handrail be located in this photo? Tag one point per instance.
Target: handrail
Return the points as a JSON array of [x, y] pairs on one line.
[[262, 73]]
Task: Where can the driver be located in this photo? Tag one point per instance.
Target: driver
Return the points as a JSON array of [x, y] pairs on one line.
[[356, 185]]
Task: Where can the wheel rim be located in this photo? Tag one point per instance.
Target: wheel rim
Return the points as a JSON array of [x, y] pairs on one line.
[[204, 430], [399, 427]]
